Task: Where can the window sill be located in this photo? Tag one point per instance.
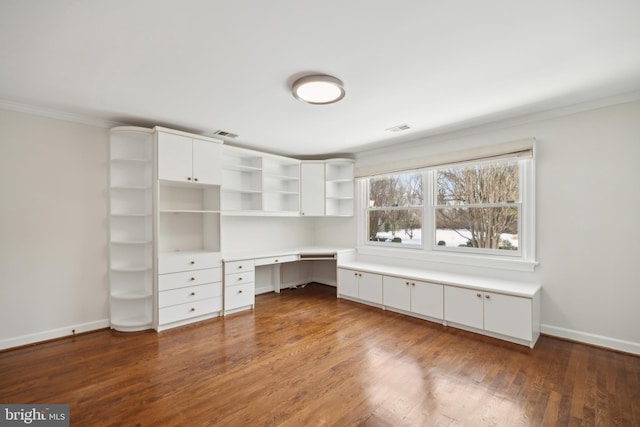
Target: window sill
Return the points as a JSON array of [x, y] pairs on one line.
[[469, 260]]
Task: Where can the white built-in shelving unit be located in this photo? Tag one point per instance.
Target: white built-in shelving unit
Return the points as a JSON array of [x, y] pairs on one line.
[[255, 183], [131, 228], [339, 187], [189, 266]]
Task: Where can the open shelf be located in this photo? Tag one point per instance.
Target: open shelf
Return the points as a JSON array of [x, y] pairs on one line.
[[131, 228]]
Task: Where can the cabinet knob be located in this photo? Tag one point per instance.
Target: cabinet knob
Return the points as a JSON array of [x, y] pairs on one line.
[[487, 296], [240, 291], [355, 274], [195, 179], [406, 283], [192, 309], [276, 259], [192, 279], [193, 294], [479, 295], [239, 278], [413, 283], [188, 178], [359, 274], [192, 262], [239, 267]]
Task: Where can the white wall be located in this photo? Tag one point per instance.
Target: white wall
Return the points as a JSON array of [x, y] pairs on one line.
[[53, 228], [255, 234], [588, 218]]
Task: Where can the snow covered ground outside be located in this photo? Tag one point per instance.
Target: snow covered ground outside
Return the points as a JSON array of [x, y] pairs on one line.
[[450, 237]]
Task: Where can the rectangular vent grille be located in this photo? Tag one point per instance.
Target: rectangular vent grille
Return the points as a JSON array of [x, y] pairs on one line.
[[399, 128], [225, 133]]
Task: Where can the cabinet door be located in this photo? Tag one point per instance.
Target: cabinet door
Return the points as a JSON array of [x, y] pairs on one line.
[[206, 162], [396, 293], [463, 306], [508, 315], [174, 157], [348, 283], [427, 299], [312, 189], [370, 287]]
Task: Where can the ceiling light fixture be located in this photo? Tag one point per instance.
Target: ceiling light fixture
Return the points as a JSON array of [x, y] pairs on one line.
[[318, 89]]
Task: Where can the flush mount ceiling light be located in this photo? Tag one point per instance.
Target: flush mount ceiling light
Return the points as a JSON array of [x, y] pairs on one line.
[[318, 89]]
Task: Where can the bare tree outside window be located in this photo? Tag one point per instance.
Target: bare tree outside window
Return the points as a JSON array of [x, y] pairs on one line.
[[395, 209], [479, 205]]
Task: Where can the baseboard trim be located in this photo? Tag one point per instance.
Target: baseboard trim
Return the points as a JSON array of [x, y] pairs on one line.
[[53, 334], [593, 339]]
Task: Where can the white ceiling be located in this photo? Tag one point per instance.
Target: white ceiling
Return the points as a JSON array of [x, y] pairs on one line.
[[207, 65]]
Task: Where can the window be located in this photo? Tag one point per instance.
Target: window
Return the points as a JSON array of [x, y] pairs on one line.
[[485, 207], [478, 207], [396, 209]]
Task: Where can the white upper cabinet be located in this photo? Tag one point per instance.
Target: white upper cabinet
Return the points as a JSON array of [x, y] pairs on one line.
[[207, 159], [182, 158], [312, 188]]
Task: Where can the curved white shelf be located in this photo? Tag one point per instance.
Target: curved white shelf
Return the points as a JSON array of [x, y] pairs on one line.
[[189, 211], [131, 324], [130, 269], [130, 160], [133, 295]]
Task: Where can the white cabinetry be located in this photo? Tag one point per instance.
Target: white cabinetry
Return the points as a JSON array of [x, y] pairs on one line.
[[339, 187], [312, 188], [360, 285], [280, 185], [258, 183], [189, 287], [327, 188], [413, 296], [239, 286], [507, 315], [189, 267], [184, 158], [131, 228]]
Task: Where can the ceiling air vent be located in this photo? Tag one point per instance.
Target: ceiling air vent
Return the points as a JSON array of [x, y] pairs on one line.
[[399, 128], [225, 133]]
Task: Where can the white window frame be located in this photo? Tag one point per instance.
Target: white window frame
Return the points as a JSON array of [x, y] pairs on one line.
[[521, 260], [422, 208]]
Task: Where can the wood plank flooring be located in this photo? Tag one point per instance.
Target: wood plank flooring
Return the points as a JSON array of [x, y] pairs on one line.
[[305, 358]]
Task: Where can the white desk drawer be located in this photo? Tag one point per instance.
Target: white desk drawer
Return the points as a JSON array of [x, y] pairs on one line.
[[179, 261], [238, 266], [276, 260], [189, 278], [188, 310], [190, 294], [239, 278], [239, 296]]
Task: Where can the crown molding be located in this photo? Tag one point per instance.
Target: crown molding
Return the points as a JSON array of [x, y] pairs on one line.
[[57, 114], [482, 125]]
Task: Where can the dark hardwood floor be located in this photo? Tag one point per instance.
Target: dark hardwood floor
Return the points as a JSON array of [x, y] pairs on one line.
[[305, 358]]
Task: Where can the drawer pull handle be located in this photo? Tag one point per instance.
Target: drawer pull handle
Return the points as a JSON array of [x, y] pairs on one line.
[[192, 309], [193, 294]]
